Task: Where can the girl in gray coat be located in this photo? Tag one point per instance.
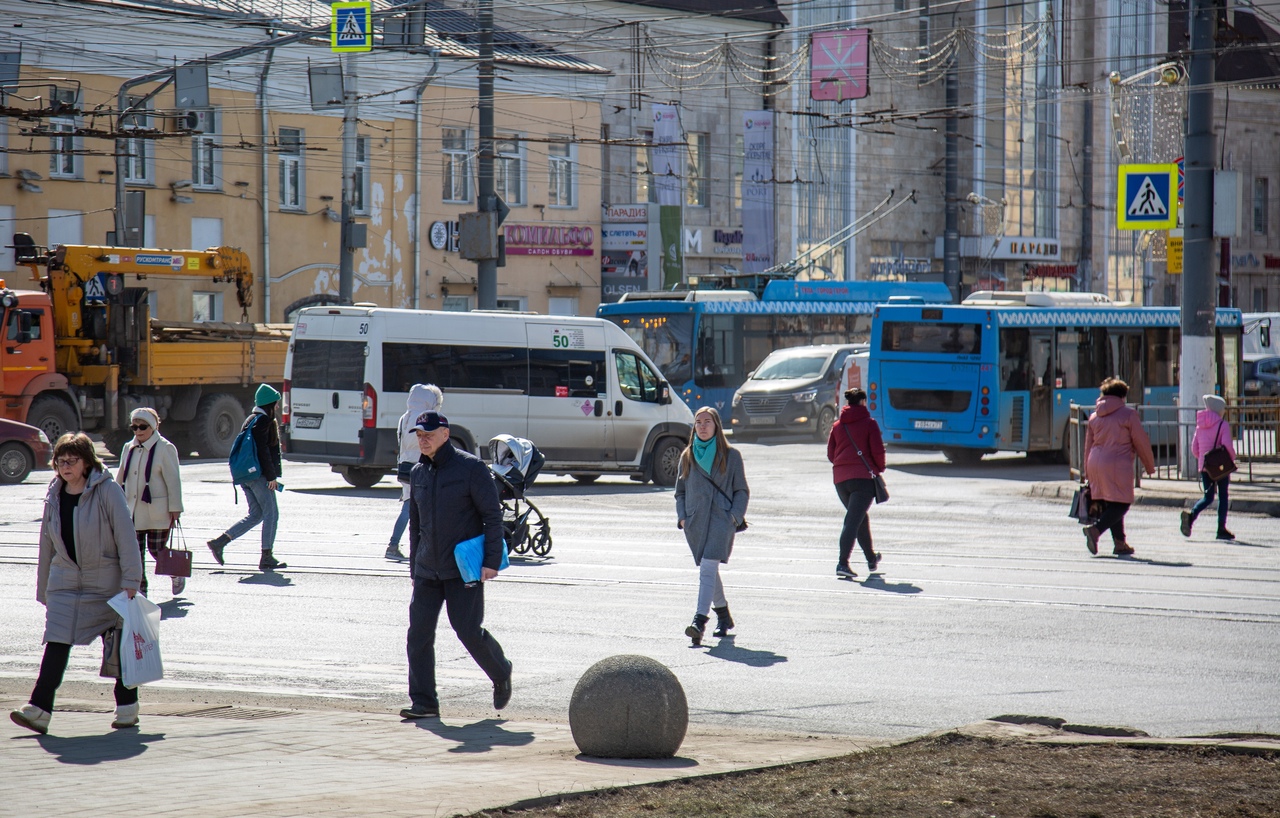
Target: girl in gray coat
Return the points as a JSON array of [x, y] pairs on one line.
[[711, 503], [88, 554]]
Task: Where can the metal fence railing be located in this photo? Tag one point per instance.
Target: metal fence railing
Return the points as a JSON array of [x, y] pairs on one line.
[[1255, 432]]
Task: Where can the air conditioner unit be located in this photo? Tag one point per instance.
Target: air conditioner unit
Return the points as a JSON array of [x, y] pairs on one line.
[[197, 121]]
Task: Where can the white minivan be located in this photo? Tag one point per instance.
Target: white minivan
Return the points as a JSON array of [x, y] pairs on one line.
[[579, 388]]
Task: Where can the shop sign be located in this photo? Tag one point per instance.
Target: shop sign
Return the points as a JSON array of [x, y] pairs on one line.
[[885, 266], [627, 214], [1050, 271], [724, 242], [1028, 248], [549, 240]]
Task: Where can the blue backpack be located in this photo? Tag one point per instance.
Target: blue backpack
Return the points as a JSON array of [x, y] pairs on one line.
[[244, 455]]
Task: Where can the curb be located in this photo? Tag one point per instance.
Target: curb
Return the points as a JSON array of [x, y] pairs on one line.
[[1065, 490]]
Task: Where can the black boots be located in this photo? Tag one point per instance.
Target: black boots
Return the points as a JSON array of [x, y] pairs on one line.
[[269, 562], [723, 622], [216, 545], [697, 629]]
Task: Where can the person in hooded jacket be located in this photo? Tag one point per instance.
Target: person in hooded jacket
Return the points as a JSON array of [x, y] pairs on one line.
[[1114, 437], [260, 492], [149, 475], [1212, 431], [88, 554], [855, 432], [711, 503], [423, 397]]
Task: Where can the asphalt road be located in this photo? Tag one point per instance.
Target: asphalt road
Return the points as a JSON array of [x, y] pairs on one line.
[[986, 603]]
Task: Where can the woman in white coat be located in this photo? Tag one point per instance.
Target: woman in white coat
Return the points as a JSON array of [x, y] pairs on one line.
[[148, 474]]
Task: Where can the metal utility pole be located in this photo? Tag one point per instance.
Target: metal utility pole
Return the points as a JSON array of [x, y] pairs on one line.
[[1085, 270], [486, 268], [350, 113], [951, 233], [1197, 372]]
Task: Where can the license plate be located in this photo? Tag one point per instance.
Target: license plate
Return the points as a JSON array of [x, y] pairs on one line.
[[766, 420], [307, 421], [929, 424]]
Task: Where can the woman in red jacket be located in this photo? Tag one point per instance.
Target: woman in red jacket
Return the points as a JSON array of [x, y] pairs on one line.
[[856, 452]]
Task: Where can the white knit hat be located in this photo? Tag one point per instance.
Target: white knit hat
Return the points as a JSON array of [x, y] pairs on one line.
[[147, 415]]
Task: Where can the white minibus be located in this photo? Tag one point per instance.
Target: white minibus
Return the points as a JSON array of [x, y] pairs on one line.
[[579, 388]]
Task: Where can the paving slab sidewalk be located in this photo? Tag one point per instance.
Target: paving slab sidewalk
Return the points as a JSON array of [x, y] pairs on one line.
[[239, 761]]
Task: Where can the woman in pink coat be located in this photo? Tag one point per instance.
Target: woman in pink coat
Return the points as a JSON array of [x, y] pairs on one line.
[[1115, 435], [1212, 431]]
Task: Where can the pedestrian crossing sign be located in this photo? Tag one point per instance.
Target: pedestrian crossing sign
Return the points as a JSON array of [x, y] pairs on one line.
[[1147, 197], [351, 28]]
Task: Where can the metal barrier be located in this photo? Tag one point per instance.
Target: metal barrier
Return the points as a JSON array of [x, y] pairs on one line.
[[1255, 431]]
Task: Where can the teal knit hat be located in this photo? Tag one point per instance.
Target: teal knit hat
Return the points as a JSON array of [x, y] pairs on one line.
[[265, 395]]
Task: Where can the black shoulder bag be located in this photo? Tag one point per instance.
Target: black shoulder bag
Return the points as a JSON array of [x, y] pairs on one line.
[[882, 491], [743, 525]]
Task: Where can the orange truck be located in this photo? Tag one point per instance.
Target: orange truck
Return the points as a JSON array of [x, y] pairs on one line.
[[81, 352]]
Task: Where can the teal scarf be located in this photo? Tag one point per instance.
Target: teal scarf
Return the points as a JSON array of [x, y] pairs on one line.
[[705, 453]]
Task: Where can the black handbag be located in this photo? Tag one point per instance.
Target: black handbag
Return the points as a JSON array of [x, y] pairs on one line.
[[1217, 461], [1081, 506], [882, 491]]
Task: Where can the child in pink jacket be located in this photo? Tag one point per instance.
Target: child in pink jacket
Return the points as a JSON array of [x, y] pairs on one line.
[[1212, 431]]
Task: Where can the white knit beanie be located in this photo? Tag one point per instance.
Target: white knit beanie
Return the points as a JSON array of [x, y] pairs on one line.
[[147, 415]]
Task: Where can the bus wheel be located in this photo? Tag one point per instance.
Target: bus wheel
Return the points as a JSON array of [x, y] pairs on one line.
[[362, 478], [666, 461], [962, 457], [826, 419], [585, 479]]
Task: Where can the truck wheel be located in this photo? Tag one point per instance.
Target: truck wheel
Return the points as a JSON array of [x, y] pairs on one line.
[[217, 422], [16, 462], [666, 461], [54, 416], [362, 478], [114, 439]]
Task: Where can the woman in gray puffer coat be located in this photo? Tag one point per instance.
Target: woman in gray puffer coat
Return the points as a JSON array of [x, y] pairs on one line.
[[711, 503], [88, 554]]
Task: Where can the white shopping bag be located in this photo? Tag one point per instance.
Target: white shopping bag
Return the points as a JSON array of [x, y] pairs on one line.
[[140, 644]]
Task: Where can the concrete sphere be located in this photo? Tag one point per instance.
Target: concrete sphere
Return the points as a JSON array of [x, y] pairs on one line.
[[628, 707]]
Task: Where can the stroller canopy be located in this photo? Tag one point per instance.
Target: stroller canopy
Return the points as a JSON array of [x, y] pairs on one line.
[[515, 454]]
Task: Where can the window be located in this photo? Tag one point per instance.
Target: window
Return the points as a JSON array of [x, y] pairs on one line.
[[935, 338], [289, 141], [456, 165], [329, 365], [1015, 360], [454, 367], [1259, 299], [637, 381], [360, 202], [560, 192], [206, 307], [1162, 345], [718, 362], [456, 303], [566, 373], [508, 169], [512, 303], [137, 162], [739, 157], [17, 318], [697, 184], [1261, 194], [1082, 358], [562, 305], [62, 159], [646, 190], [206, 156]]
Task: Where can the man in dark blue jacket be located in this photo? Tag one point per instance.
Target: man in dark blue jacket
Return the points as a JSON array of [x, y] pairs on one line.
[[452, 498]]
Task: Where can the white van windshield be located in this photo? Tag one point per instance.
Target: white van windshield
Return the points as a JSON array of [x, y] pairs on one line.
[[791, 366]]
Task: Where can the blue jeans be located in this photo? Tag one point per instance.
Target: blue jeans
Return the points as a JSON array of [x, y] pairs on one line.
[[402, 522], [262, 509], [1212, 487]]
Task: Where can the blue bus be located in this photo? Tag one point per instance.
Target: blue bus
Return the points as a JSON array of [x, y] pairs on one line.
[[999, 371], [706, 342]]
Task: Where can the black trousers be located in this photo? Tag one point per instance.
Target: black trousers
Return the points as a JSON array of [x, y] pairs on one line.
[[53, 666], [856, 495], [466, 615], [1112, 517]]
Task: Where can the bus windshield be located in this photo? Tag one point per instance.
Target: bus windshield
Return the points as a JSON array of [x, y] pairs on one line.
[[933, 337], [782, 367]]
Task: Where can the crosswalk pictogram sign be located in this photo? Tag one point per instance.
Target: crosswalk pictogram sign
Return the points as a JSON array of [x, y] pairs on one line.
[[1147, 197], [351, 28]]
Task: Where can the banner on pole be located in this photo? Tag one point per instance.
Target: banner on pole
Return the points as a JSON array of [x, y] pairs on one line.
[[757, 191], [668, 180]]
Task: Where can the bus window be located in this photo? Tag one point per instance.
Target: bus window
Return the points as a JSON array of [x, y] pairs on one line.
[[1125, 360], [955, 339], [1015, 360], [1162, 356], [718, 363], [566, 373], [333, 365], [637, 381], [1082, 357]]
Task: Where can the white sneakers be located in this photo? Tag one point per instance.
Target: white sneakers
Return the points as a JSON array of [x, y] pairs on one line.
[[126, 714], [32, 718], [179, 583]]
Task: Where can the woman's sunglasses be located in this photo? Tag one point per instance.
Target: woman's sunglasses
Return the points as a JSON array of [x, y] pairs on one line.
[[139, 427]]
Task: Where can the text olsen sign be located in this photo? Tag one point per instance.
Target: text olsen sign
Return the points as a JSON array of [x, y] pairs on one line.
[[549, 240]]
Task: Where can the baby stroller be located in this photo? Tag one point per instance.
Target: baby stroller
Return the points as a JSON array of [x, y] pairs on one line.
[[515, 463]]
